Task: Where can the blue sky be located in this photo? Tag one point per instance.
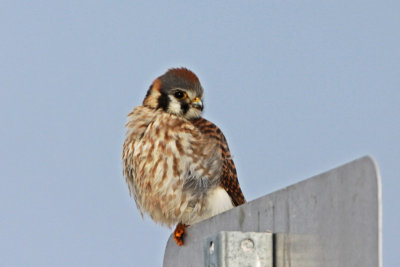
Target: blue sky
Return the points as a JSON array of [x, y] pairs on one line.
[[297, 88]]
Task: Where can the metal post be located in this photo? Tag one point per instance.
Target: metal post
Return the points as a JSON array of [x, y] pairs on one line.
[[332, 219]]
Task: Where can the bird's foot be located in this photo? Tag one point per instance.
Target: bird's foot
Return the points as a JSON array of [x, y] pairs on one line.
[[179, 233]]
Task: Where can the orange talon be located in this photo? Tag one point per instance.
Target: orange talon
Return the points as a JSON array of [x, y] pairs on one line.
[[179, 233]]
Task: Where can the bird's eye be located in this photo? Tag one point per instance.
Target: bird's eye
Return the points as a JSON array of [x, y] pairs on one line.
[[180, 95]]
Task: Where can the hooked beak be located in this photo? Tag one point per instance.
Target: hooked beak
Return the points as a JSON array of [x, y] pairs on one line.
[[197, 103]]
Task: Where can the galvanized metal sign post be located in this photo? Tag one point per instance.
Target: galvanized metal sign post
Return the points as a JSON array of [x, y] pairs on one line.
[[332, 219]]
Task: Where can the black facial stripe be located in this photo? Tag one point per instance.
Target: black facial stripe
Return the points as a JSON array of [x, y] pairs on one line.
[[149, 91], [163, 101], [185, 107]]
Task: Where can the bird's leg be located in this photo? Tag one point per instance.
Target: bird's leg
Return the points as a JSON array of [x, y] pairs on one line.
[[179, 233]]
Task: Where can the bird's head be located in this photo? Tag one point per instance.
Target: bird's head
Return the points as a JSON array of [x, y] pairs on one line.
[[178, 92]]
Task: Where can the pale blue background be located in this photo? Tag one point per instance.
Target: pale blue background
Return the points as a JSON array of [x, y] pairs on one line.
[[297, 88]]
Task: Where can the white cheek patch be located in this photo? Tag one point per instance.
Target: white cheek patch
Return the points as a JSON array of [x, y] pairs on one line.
[[174, 106]]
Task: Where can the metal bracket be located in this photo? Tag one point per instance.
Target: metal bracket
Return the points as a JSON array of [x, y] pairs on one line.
[[241, 249]]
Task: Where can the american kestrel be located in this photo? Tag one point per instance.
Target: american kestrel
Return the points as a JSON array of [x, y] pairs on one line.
[[177, 164]]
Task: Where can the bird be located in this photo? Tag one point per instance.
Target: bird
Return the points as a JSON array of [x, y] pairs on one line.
[[177, 165]]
